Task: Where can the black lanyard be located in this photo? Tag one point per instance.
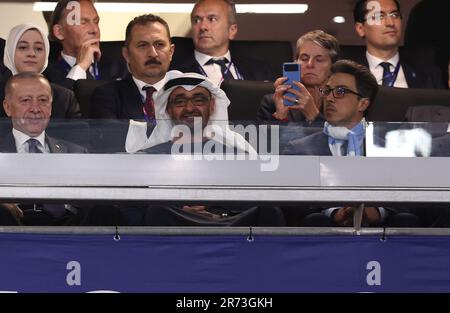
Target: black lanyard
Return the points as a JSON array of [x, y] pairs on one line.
[[239, 76]]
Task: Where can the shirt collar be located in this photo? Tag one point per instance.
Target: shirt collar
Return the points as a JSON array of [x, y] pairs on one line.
[[21, 138], [203, 58], [140, 84], [69, 59], [375, 61]]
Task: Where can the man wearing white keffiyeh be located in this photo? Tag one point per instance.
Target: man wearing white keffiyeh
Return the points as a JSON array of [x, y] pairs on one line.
[[214, 123]]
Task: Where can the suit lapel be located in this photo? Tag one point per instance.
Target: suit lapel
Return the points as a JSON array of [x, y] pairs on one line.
[[190, 65], [8, 144], [132, 98], [54, 145], [243, 71], [411, 77]]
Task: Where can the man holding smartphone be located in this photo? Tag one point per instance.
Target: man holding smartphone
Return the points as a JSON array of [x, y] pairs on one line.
[[347, 94]]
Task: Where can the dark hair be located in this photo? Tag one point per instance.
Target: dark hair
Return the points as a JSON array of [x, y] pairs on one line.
[[323, 40], [360, 10], [232, 15], [144, 20], [58, 14], [366, 83], [20, 76]]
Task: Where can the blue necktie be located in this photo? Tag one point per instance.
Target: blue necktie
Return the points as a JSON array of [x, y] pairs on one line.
[[226, 73], [388, 77], [33, 146]]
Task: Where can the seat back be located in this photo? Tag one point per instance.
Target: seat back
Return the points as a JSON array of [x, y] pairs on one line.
[[83, 90], [274, 53], [392, 104], [4, 72], [245, 97]]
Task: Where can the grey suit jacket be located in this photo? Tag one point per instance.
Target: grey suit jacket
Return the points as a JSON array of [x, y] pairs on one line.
[[441, 146], [8, 145], [438, 117], [428, 113]]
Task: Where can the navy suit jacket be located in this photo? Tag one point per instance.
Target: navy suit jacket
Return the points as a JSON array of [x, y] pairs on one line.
[[119, 99], [8, 145], [249, 69], [56, 72], [416, 76]]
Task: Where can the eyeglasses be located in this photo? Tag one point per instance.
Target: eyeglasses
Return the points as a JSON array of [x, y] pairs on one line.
[[381, 16], [338, 92], [198, 101]]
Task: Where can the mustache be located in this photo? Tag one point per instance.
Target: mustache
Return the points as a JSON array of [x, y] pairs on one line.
[[152, 61]]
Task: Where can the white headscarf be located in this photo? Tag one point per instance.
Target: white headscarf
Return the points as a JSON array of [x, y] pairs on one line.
[[11, 43], [217, 125]]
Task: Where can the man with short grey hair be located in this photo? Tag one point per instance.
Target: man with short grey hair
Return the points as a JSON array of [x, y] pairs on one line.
[[214, 25]]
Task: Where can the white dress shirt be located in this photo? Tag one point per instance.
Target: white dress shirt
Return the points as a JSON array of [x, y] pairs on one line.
[[76, 72], [140, 84], [213, 71], [22, 145], [377, 69]]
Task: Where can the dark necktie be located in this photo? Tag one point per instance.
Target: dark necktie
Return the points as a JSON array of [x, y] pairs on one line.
[[226, 73], [55, 210], [388, 78], [33, 146], [89, 75], [149, 105]]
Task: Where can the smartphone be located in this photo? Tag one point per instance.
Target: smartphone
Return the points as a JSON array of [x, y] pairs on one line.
[[292, 72]]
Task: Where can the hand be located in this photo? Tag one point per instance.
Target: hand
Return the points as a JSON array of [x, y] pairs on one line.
[[200, 210], [306, 102], [89, 51], [344, 216], [280, 89], [14, 209], [280, 81]]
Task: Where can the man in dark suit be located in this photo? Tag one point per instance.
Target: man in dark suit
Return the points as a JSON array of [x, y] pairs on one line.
[[79, 35], [214, 24], [148, 52], [348, 93], [381, 28], [28, 102]]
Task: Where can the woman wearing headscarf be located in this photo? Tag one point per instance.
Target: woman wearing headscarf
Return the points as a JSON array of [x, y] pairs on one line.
[[26, 50]]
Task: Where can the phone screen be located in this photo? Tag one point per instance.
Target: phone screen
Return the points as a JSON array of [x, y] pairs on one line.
[[292, 72]]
